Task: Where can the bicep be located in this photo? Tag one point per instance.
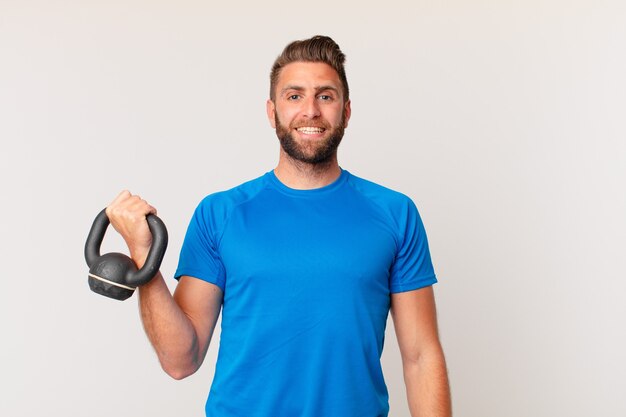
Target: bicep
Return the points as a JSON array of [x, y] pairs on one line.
[[201, 302], [415, 322]]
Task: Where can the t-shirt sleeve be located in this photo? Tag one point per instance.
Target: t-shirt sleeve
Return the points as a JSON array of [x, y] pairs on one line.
[[412, 268], [199, 256]]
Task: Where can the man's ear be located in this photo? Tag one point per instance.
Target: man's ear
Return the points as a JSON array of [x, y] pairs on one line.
[[347, 111], [270, 108]]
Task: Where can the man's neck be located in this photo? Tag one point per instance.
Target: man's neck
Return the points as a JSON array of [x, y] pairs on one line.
[[303, 176]]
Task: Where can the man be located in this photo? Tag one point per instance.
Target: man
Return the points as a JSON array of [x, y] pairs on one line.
[[305, 263]]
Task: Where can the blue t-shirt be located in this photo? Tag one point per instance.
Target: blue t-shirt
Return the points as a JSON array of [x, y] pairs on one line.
[[307, 277]]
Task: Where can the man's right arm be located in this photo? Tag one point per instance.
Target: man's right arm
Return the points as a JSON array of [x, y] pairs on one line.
[[180, 326]]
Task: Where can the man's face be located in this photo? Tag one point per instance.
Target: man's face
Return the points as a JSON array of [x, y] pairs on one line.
[[309, 112]]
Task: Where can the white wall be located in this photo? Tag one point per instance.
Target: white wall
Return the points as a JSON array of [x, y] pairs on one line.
[[503, 120]]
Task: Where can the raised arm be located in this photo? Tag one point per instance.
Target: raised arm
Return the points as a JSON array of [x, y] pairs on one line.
[[425, 375], [179, 327]]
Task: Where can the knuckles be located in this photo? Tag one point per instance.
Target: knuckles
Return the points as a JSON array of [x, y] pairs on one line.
[[127, 214], [127, 208]]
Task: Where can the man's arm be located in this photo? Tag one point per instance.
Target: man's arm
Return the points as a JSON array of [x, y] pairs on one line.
[[425, 375], [180, 326]]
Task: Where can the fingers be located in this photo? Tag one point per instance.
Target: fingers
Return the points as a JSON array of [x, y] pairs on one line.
[[129, 205], [127, 214]]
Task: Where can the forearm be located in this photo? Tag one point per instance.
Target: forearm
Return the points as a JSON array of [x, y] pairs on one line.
[[166, 320], [427, 386], [169, 330]]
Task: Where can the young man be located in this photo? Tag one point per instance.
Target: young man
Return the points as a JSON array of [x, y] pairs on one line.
[[305, 263]]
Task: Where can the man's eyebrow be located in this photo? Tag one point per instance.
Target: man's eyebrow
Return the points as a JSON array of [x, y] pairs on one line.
[[317, 89], [291, 87], [327, 88]]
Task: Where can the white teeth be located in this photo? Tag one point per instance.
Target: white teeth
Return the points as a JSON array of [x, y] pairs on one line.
[[310, 130]]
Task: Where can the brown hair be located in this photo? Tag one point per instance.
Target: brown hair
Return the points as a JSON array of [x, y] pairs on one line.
[[316, 49]]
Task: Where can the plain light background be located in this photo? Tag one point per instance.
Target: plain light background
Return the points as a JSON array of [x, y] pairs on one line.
[[503, 120]]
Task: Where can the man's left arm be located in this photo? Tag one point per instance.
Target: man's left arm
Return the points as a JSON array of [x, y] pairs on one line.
[[423, 362]]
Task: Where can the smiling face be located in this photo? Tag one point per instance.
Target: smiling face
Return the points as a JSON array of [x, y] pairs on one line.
[[309, 112]]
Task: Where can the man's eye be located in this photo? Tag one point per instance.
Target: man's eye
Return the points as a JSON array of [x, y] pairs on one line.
[[293, 97]]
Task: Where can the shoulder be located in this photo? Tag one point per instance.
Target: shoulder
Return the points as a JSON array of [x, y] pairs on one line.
[[218, 205], [390, 201]]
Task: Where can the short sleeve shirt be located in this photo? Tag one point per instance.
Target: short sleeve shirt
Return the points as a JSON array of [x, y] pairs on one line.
[[307, 277]]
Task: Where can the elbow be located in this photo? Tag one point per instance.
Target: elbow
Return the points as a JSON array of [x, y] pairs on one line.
[[410, 362], [182, 362], [179, 371], [428, 355], [178, 375]]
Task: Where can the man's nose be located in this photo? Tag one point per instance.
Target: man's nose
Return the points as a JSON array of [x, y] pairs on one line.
[[311, 107]]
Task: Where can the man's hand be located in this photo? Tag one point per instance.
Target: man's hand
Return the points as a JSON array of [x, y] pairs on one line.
[[127, 214]]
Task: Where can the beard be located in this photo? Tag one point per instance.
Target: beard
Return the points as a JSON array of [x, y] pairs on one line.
[[316, 152]]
